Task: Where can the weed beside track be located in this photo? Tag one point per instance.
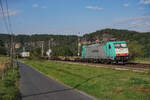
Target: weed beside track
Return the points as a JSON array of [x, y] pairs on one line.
[[8, 80]]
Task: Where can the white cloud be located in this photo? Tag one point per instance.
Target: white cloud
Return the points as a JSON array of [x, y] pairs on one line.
[[138, 21], [146, 2], [10, 12], [126, 5], [134, 18], [94, 8], [35, 5], [139, 24], [44, 7]]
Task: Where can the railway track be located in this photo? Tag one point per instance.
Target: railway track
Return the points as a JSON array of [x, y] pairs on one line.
[[138, 65], [129, 65]]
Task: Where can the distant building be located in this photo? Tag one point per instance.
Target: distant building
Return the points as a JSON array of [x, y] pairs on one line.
[[25, 54], [17, 45], [48, 52]]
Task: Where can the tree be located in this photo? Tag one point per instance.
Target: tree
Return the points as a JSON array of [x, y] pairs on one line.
[[3, 51], [36, 52], [62, 51], [135, 49]]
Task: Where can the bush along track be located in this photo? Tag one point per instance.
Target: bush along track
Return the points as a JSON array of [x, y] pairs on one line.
[[9, 85]]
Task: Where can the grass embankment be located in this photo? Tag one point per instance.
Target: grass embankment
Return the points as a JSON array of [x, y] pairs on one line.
[[142, 60], [103, 83], [9, 85]]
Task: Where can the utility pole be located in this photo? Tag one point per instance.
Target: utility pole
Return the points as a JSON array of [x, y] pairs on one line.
[[42, 52], [49, 44], [12, 50], [49, 47], [7, 22], [24, 49], [30, 44], [79, 44]]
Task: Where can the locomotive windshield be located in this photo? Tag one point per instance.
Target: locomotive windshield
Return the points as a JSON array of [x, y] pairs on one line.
[[120, 45]]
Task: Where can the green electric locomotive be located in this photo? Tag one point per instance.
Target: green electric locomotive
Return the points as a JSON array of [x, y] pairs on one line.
[[110, 52]]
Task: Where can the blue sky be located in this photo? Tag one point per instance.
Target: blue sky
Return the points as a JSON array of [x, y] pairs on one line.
[[73, 16]]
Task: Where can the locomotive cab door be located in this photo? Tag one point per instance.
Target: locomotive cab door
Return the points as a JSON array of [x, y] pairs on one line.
[[109, 50]]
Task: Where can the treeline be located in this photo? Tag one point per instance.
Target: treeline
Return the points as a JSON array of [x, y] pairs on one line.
[[61, 45], [66, 45]]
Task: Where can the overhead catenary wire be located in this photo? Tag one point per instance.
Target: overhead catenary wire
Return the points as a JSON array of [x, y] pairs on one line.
[[4, 16], [10, 28], [11, 33], [8, 15], [7, 22]]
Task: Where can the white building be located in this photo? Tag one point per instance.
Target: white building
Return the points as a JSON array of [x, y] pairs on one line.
[[25, 54]]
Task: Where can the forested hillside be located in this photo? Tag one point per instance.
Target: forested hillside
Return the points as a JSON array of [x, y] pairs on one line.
[[138, 43], [62, 45]]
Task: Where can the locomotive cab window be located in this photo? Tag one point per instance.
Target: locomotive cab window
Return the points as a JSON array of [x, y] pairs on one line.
[[109, 46], [120, 45]]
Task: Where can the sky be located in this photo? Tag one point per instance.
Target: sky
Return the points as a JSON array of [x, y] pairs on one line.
[[74, 16]]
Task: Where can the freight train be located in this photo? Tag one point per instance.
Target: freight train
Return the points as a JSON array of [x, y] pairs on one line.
[[110, 52]]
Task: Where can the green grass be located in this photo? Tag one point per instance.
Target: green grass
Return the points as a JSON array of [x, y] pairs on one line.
[[9, 85], [141, 60], [4, 62], [102, 83]]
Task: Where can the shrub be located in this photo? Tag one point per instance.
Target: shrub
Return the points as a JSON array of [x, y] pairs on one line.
[[9, 85]]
